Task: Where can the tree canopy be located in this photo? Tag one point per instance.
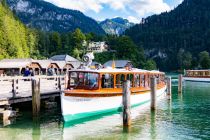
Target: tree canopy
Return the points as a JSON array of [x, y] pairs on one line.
[[16, 41]]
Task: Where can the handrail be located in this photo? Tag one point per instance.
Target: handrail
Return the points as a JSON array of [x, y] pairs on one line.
[[22, 85], [29, 77]]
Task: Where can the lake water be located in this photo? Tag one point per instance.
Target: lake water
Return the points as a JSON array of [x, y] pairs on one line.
[[185, 117]]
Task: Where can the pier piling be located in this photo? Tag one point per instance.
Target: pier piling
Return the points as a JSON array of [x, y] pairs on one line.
[[14, 87], [169, 88], [35, 97], [126, 104], [153, 86], [59, 84], [180, 84]]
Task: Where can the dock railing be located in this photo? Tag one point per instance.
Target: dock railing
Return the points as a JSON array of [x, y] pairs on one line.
[[19, 86]]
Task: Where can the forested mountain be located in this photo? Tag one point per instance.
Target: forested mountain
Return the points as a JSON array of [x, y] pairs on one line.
[[115, 25], [48, 17], [16, 41], [174, 39]]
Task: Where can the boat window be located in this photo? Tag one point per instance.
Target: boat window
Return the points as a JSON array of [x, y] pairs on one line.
[[137, 80], [73, 78], [142, 83], [107, 80], [120, 78], [91, 80], [131, 78], [84, 80]]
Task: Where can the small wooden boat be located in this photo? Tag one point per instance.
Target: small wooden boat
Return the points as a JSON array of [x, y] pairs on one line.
[[197, 75], [94, 92]]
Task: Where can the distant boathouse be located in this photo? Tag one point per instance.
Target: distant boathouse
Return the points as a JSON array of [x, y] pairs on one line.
[[16, 67]]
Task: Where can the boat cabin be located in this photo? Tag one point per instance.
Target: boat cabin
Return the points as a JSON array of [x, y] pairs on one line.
[[111, 79], [197, 73]]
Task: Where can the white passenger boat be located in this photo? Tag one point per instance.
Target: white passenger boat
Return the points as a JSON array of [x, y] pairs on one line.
[[197, 75], [93, 92]]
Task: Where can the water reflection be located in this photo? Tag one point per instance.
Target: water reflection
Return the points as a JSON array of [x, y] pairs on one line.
[[186, 116], [36, 131], [153, 124]]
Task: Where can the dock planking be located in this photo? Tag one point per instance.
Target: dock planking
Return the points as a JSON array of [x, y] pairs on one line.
[[18, 89]]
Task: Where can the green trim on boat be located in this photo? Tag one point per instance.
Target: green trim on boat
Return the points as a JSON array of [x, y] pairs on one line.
[[86, 115], [68, 118]]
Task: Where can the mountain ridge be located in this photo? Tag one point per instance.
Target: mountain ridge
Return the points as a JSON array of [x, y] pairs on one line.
[[115, 25], [48, 17]]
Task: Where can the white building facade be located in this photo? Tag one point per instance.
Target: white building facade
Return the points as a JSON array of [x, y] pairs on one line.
[[97, 47]]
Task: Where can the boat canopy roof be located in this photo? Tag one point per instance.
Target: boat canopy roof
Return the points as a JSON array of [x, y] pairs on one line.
[[199, 70], [115, 70]]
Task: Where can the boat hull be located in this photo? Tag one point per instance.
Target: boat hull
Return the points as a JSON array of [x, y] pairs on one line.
[[74, 108], [196, 79]]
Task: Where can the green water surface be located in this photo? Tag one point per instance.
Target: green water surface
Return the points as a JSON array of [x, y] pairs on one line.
[[185, 117]]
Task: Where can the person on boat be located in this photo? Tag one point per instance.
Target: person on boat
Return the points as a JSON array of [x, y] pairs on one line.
[[93, 81]]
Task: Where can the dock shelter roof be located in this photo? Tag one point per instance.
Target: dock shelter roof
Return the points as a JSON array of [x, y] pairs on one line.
[[18, 63], [60, 59], [44, 63], [63, 64], [66, 58]]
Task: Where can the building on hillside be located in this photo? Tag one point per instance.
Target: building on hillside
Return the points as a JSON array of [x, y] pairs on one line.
[[97, 47], [118, 64], [15, 67]]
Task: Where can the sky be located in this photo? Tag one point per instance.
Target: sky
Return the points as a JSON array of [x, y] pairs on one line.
[[133, 10]]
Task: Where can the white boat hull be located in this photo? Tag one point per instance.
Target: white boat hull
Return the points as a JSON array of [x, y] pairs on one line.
[[196, 79], [74, 108]]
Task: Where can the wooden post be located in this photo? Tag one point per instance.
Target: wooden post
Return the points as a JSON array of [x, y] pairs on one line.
[[180, 84], [169, 88], [14, 87], [35, 97], [59, 84], [153, 87], [126, 104], [56, 82]]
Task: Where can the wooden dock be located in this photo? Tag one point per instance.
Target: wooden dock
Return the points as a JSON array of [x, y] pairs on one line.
[[18, 89]]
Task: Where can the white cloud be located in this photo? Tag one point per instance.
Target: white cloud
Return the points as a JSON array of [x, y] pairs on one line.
[[81, 5], [139, 7], [143, 7], [133, 19], [115, 4]]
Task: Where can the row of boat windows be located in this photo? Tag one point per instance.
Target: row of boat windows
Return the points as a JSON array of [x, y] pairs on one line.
[[86, 80], [137, 80], [198, 73]]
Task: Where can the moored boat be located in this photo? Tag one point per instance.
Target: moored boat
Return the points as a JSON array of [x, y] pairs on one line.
[[94, 92], [91, 92], [197, 75]]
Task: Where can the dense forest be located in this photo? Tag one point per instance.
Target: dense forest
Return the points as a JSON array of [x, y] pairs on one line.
[[73, 44], [176, 39], [16, 41]]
